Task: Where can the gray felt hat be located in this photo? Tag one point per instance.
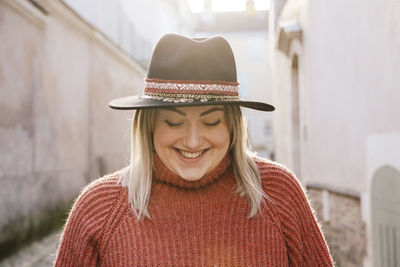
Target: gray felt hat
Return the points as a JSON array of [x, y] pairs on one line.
[[190, 72]]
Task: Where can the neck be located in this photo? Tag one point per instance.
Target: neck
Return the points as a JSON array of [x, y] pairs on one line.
[[163, 174]]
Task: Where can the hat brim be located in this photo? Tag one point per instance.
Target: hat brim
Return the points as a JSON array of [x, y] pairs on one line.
[[139, 102]]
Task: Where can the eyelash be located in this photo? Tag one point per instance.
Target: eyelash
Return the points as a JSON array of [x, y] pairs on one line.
[[213, 123], [171, 124]]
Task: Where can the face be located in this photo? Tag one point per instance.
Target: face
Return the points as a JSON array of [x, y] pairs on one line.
[[191, 141]]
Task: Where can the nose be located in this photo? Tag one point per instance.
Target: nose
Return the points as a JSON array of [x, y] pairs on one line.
[[193, 138]]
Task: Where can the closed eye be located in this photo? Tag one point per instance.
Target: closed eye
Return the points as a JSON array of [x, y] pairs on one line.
[[212, 123], [171, 124]]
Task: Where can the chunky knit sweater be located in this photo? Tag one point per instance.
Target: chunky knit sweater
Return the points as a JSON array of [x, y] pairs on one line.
[[201, 223]]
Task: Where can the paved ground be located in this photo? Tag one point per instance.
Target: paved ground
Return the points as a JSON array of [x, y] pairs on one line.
[[39, 254]]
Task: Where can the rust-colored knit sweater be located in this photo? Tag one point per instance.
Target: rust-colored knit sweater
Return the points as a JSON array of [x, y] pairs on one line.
[[202, 223]]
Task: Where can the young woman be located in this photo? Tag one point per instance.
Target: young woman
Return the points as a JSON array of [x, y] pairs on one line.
[[193, 194]]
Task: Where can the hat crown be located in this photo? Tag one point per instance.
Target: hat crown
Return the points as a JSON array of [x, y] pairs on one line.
[[190, 72], [177, 57]]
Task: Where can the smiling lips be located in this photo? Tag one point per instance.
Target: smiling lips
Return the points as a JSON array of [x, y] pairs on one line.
[[191, 155]]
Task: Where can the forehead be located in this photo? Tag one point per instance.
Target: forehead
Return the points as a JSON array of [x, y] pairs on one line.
[[194, 110]]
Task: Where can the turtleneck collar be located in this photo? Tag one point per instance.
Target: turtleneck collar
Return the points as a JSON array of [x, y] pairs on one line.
[[163, 174]]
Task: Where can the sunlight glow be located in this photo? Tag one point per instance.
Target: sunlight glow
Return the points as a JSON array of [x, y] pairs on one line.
[[228, 5], [261, 4], [197, 6]]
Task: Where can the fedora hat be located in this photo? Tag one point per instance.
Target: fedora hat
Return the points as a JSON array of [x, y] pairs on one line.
[[190, 72]]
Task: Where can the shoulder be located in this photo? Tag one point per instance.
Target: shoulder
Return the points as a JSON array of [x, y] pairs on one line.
[[272, 171], [97, 198], [108, 185], [84, 230], [279, 183], [285, 195], [102, 189]]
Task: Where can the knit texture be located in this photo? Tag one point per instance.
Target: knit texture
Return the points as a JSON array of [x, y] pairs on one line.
[[202, 223]]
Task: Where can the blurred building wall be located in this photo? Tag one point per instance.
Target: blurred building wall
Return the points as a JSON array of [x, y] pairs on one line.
[[336, 86], [252, 61], [57, 74], [56, 131], [135, 25]]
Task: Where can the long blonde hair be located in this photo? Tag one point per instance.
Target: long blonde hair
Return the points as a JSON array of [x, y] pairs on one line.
[[138, 176]]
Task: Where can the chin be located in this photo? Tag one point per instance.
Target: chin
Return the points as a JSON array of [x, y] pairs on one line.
[[191, 176]]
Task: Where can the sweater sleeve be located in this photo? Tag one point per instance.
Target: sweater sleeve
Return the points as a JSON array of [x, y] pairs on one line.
[[81, 238], [304, 240]]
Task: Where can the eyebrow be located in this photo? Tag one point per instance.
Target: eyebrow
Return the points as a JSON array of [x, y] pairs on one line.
[[177, 111], [208, 111]]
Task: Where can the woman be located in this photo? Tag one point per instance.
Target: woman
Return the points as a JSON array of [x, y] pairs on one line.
[[193, 194]]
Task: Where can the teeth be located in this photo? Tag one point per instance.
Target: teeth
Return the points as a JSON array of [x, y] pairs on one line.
[[190, 155]]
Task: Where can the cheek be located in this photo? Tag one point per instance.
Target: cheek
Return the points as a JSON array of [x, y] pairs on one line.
[[220, 138], [163, 137]]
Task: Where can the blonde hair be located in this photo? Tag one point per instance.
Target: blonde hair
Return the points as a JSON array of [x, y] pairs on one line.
[[138, 176]]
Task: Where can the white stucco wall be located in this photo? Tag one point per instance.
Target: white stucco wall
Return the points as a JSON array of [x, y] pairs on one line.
[[349, 95], [57, 75], [354, 54], [349, 87]]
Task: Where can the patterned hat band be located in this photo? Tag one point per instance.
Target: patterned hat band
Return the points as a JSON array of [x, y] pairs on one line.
[[189, 91]]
